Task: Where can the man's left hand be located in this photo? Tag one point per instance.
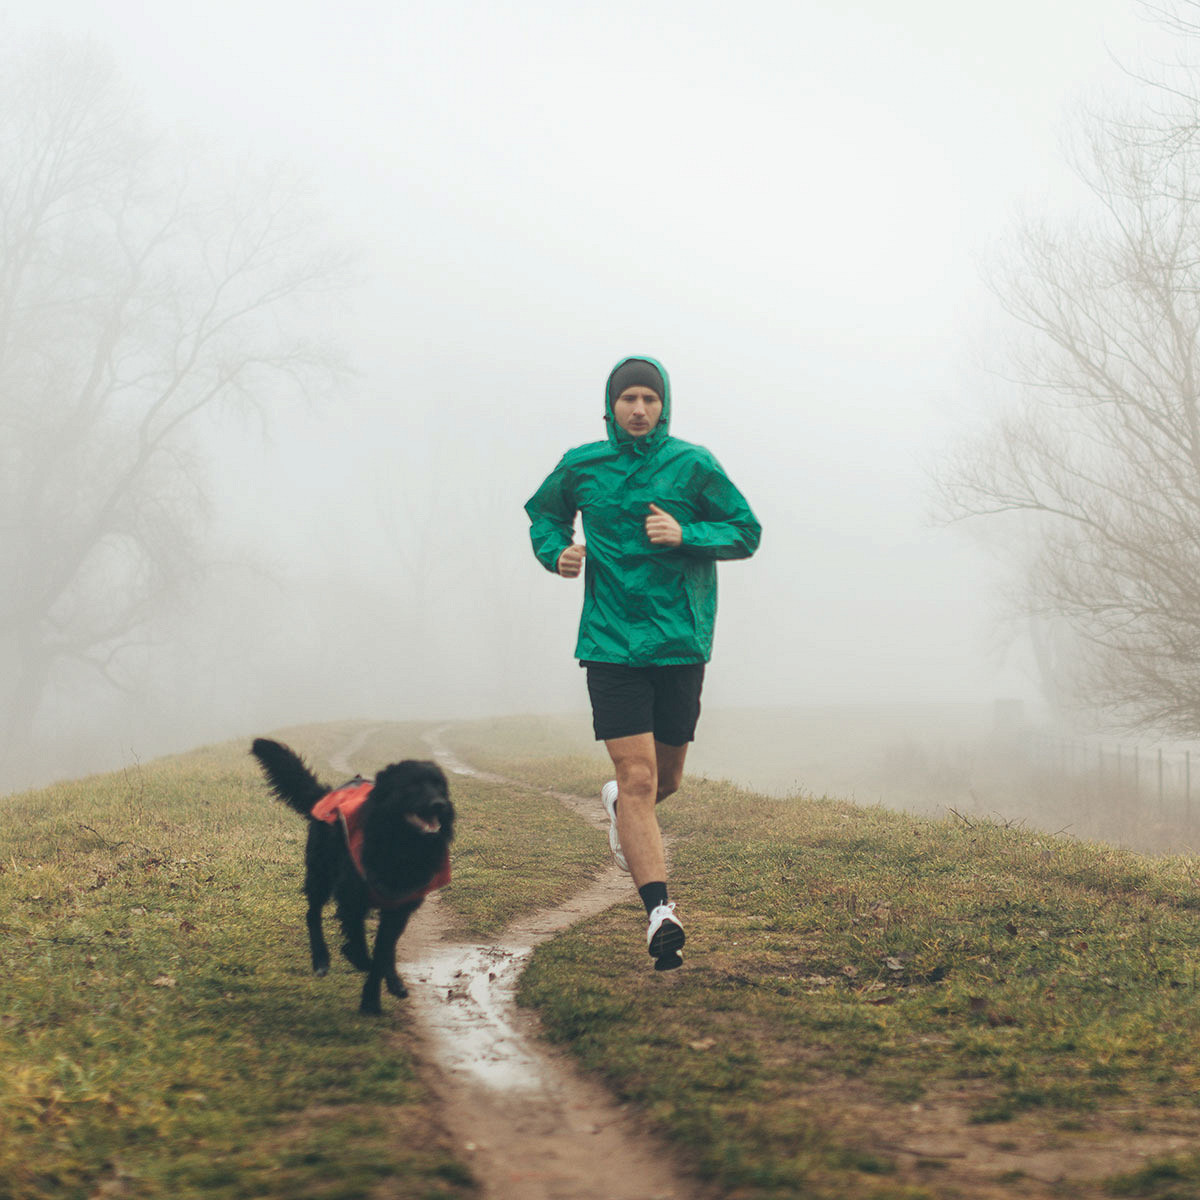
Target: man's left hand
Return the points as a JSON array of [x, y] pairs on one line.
[[662, 529]]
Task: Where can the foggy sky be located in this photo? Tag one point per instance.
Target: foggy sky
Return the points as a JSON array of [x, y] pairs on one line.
[[787, 203]]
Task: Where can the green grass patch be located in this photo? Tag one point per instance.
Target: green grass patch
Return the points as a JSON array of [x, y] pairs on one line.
[[555, 753], [516, 851], [1166, 1179], [848, 972], [160, 1028]]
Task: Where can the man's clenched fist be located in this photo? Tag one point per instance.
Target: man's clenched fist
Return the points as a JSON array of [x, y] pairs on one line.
[[570, 561]]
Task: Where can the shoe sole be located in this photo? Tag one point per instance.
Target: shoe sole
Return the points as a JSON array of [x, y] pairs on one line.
[[668, 962], [668, 939]]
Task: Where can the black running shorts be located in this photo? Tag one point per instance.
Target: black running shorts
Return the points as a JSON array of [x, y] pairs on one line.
[[664, 701]]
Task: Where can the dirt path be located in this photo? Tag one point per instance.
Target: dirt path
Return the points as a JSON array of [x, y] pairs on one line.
[[531, 1127]]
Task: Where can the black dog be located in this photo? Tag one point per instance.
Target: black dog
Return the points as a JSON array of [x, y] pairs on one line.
[[381, 845]]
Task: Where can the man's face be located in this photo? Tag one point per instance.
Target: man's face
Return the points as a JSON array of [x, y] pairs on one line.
[[637, 410]]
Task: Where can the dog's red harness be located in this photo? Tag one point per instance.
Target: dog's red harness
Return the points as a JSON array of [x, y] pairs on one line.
[[345, 804]]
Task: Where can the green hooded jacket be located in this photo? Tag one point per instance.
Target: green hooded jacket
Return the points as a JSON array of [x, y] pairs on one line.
[[643, 605]]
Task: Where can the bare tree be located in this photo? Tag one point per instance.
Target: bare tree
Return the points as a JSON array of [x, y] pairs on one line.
[[137, 295], [1099, 463]]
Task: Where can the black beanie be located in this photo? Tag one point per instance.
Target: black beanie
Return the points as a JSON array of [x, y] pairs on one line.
[[636, 372]]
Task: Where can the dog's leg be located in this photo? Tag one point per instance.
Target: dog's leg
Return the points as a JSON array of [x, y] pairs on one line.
[[383, 962], [353, 903], [316, 938], [391, 976], [319, 877]]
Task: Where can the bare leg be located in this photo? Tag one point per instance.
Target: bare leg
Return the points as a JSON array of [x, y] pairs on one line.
[[670, 768], [637, 793], [647, 772]]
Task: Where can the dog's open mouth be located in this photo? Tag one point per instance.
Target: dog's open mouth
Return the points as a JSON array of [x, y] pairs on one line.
[[429, 824]]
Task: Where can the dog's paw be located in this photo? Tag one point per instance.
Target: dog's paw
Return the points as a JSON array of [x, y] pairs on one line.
[[370, 1007], [396, 987], [321, 970]]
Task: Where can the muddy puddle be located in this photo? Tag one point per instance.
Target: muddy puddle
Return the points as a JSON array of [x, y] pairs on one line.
[[529, 1124]]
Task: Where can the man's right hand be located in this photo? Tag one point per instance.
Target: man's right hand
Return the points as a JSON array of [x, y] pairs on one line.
[[570, 561]]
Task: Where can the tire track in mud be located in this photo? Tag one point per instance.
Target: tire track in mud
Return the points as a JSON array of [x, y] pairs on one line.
[[531, 1127]]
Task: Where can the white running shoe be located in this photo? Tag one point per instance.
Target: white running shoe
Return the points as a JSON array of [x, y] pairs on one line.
[[608, 793], [665, 935]]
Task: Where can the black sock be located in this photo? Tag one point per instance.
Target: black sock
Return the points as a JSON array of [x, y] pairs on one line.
[[653, 894]]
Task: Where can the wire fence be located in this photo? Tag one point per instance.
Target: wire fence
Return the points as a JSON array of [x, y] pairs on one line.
[[1143, 774], [1146, 796]]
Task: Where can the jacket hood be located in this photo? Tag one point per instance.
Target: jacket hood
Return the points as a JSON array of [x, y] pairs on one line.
[[616, 435]]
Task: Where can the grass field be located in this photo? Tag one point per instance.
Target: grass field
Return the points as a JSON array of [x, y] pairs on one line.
[[160, 1030], [872, 1005]]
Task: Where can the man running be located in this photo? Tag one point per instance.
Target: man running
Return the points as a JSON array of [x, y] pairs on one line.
[[657, 514]]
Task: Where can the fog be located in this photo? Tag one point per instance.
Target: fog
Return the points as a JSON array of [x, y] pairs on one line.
[[788, 204]]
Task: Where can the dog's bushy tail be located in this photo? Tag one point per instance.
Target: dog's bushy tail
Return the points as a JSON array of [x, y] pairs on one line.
[[289, 777]]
